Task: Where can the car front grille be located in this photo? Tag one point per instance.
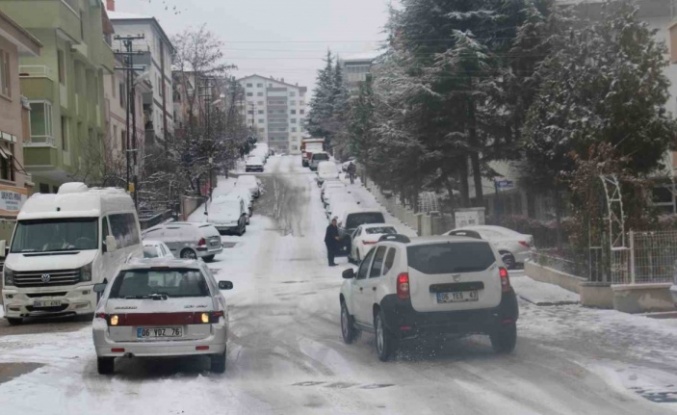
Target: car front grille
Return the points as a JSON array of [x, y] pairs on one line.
[[38, 295], [55, 309], [46, 278]]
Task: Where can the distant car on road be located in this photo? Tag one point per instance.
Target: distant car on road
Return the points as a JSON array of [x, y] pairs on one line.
[[515, 248], [161, 308], [407, 289], [254, 163], [250, 183], [316, 158], [156, 249], [326, 171], [365, 237], [188, 240]]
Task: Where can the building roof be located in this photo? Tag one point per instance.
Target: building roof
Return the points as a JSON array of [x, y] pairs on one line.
[[119, 17], [25, 42], [364, 56], [303, 88]]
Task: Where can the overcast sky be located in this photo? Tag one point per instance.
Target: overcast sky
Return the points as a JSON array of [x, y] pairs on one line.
[[280, 38]]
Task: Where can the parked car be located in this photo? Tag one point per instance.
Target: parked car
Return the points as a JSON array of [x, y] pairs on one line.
[[406, 289], [156, 249], [330, 185], [514, 247], [229, 215], [250, 183], [349, 219], [334, 196], [316, 158], [365, 237], [246, 196], [188, 240], [326, 171], [62, 245], [254, 163], [164, 308]]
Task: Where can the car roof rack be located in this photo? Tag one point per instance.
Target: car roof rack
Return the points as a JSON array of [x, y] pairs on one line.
[[395, 238]]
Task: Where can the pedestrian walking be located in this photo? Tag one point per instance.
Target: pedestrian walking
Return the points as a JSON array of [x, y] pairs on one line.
[[351, 172], [331, 239]]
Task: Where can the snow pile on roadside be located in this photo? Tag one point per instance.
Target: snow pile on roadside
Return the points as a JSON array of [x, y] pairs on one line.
[[541, 293]]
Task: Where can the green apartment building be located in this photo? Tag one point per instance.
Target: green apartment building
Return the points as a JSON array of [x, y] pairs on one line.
[[65, 88]]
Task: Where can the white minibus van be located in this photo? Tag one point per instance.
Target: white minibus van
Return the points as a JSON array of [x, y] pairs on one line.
[[62, 245]]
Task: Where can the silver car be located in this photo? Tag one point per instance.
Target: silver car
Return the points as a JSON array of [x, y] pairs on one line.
[[188, 240], [161, 308]]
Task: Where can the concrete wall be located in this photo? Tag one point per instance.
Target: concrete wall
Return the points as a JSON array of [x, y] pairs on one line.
[[189, 204], [552, 276], [642, 298]]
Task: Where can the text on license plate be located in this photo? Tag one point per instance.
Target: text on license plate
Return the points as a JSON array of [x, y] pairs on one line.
[[47, 303], [457, 296], [158, 332]]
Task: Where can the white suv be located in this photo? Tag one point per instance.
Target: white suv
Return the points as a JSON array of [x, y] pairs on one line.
[[432, 286]]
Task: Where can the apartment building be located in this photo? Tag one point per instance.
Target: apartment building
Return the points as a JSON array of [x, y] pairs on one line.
[[15, 182], [64, 87], [118, 140], [356, 68], [156, 64], [276, 110]]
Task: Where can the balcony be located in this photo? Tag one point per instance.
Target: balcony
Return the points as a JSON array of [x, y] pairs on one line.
[[61, 15]]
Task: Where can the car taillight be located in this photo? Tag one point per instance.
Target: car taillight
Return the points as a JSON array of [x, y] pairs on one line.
[[525, 244], [202, 242], [403, 286], [215, 316], [101, 315], [505, 279]]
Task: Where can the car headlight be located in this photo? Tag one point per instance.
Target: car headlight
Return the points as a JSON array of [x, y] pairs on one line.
[[9, 276], [86, 272]]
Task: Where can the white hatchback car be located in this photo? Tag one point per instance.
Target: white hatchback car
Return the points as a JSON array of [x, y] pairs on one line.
[[432, 286], [161, 308], [156, 249], [365, 237], [515, 248]]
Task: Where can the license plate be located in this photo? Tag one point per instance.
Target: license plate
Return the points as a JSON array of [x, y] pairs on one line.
[[158, 332], [457, 297], [46, 303]]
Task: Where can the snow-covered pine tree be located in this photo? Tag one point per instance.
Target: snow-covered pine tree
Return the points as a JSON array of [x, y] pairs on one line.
[[321, 111]]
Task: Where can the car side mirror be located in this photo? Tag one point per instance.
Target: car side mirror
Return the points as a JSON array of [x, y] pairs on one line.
[[111, 243], [225, 285], [349, 274], [99, 288]]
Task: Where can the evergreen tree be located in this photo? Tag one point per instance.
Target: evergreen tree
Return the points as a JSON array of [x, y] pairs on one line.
[[321, 111]]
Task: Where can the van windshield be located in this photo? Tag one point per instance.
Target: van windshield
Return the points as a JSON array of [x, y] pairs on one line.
[[50, 235]]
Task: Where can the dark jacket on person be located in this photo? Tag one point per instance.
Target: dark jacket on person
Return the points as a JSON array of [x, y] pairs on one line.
[[330, 236]]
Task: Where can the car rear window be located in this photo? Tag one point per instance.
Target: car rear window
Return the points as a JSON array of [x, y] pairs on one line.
[[356, 219], [147, 283], [382, 229], [209, 230], [446, 258]]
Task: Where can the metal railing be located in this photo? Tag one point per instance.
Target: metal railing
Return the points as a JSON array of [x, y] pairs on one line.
[[652, 257]]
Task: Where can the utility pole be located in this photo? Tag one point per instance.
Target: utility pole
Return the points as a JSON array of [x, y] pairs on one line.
[[130, 74]]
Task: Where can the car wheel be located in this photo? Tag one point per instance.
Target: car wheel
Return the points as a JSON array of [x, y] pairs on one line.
[[14, 321], [347, 329], [105, 365], [508, 260], [188, 254], [385, 342], [218, 363], [209, 258], [504, 339]]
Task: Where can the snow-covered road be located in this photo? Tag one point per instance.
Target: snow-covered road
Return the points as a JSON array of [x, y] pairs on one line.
[[286, 355]]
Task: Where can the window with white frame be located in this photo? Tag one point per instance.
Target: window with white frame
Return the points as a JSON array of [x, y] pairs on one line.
[[41, 123]]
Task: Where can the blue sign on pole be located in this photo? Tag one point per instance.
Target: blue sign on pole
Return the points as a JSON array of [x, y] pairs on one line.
[[504, 184]]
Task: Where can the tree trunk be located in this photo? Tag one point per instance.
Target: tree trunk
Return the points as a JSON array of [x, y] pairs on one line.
[[475, 155], [463, 180], [558, 217]]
